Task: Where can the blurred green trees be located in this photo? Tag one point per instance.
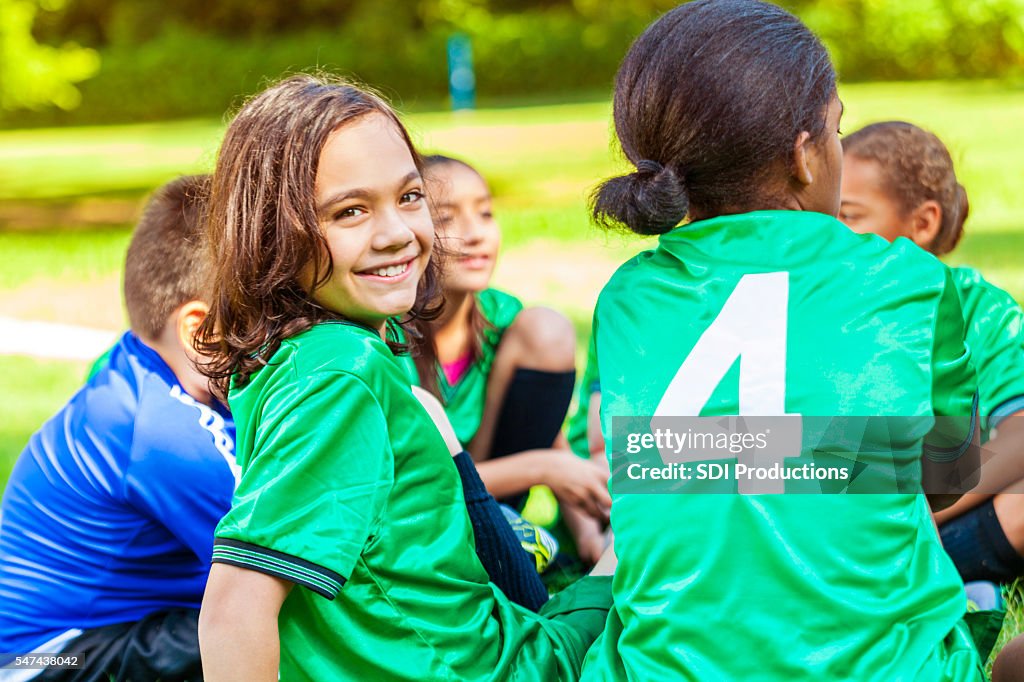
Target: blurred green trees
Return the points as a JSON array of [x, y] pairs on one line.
[[197, 57], [34, 75], [919, 39]]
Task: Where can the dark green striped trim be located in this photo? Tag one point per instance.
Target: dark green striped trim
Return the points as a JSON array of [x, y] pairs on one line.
[[946, 455], [323, 581]]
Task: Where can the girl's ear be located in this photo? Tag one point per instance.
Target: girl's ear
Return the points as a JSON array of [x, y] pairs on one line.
[[189, 317], [801, 169], [925, 223]]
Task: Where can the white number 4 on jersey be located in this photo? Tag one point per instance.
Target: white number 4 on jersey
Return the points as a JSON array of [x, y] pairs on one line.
[[752, 327]]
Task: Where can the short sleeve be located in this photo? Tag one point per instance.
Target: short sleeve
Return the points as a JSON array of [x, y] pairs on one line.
[[313, 491], [954, 383], [500, 310], [998, 327]]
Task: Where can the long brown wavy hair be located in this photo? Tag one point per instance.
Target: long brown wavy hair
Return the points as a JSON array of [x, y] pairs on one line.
[[263, 229]]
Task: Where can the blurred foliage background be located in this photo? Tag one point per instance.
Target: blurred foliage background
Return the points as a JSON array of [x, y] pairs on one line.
[[103, 100], [140, 61]]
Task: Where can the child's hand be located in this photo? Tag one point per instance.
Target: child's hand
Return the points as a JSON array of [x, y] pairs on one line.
[[586, 531], [590, 546], [433, 407], [579, 482], [608, 562]]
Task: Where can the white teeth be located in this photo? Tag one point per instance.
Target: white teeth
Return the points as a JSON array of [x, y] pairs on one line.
[[391, 271]]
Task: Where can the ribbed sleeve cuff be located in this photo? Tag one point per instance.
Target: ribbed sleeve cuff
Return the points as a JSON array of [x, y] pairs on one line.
[[323, 581]]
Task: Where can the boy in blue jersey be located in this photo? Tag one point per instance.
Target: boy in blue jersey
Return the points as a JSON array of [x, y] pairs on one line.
[[108, 517]]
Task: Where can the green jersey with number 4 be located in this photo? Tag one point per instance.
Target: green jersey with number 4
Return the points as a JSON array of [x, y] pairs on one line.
[[783, 313]]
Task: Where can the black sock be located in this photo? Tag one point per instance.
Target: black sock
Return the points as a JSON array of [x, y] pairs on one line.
[[979, 547], [533, 411], [531, 415], [508, 565]]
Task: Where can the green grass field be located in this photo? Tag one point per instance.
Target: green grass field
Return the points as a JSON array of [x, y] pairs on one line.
[[541, 162]]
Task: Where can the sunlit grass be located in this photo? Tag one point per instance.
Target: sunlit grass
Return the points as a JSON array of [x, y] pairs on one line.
[[541, 162], [33, 391]]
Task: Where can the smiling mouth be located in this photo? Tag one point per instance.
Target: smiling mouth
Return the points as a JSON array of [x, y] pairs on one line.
[[395, 271], [475, 261], [390, 271]]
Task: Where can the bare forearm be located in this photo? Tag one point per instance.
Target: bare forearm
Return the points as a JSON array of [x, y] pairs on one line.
[[962, 506], [514, 474], [586, 531], [238, 634], [1002, 468], [1003, 457], [580, 523], [235, 648]]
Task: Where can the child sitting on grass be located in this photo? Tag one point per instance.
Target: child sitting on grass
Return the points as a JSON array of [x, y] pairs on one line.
[[898, 181], [108, 516], [758, 302], [503, 372], [347, 552]]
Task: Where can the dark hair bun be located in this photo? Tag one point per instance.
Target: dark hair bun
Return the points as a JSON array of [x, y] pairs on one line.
[[716, 91], [651, 201]]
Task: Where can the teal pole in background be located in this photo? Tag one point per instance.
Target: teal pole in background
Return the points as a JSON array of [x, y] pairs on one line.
[[461, 79]]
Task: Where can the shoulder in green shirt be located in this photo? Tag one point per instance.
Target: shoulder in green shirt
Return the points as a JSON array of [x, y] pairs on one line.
[[349, 492], [995, 333], [464, 401]]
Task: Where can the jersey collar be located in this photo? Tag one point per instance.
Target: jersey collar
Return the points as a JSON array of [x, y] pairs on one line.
[[759, 238]]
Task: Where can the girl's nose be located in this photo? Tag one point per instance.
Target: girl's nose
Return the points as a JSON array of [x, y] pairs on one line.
[[392, 232], [473, 230]]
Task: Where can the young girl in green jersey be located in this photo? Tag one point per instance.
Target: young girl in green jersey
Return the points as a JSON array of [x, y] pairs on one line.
[[504, 373], [348, 552], [757, 302], [898, 181]]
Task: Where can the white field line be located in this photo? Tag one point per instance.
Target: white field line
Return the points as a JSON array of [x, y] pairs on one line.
[[53, 340]]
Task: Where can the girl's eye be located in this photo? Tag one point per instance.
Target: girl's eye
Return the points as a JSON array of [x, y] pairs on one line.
[[444, 219], [412, 197], [350, 212], [487, 215]]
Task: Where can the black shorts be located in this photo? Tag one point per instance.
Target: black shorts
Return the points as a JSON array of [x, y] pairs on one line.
[[162, 646]]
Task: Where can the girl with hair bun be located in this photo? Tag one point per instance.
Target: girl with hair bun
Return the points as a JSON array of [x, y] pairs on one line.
[[758, 302], [899, 181]]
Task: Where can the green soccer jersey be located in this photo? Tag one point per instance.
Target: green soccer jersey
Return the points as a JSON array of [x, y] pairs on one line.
[[578, 427], [465, 399], [995, 333], [349, 492], [771, 313]]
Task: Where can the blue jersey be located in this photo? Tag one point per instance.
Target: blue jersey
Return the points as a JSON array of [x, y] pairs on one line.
[[110, 510]]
